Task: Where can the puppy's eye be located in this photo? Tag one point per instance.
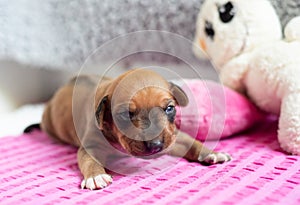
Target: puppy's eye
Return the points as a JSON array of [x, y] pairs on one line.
[[170, 110], [226, 12]]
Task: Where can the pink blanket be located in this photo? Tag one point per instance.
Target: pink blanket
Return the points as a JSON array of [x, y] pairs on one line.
[[36, 170]]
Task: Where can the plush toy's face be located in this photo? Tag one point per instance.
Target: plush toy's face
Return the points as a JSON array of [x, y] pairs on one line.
[[228, 28]]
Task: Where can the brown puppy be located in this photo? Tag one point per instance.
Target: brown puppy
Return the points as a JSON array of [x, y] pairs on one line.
[[134, 113]]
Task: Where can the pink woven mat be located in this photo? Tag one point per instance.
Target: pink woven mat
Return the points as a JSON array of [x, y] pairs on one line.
[[36, 170]]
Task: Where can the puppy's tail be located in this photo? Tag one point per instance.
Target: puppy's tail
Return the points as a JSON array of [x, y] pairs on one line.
[[32, 127]]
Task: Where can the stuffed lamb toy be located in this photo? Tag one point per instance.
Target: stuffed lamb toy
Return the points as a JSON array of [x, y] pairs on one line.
[[243, 39]]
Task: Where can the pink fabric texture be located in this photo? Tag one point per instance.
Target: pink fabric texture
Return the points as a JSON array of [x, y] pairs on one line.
[[215, 111], [35, 169]]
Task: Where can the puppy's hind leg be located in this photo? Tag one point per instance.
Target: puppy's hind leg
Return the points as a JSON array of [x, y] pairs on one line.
[[194, 150], [93, 172]]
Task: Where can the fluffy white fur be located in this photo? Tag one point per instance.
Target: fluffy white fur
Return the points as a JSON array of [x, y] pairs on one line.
[[253, 58]]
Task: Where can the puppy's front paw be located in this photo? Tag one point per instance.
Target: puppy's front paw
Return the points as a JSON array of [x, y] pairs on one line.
[[99, 182], [214, 158]]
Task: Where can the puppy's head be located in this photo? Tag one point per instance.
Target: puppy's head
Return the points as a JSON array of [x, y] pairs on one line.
[[139, 112]]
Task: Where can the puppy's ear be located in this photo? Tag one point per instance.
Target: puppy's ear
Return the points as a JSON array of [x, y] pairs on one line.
[[100, 111], [178, 94]]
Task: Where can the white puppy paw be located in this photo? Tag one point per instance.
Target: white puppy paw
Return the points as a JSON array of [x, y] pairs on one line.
[[99, 182], [215, 158]]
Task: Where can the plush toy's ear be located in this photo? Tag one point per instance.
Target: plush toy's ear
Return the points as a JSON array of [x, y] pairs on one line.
[[100, 111], [178, 94]]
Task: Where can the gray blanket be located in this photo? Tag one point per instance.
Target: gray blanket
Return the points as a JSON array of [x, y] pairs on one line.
[[63, 33]]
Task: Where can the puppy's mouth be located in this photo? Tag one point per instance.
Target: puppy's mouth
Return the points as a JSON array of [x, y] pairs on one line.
[[147, 155], [148, 143]]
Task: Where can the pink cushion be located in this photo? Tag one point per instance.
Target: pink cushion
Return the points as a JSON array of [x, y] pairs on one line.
[[215, 111]]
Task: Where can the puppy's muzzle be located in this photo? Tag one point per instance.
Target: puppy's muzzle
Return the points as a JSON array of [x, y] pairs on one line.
[[154, 146]]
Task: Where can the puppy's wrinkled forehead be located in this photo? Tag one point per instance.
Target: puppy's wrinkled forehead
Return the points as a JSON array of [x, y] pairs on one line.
[[141, 89]]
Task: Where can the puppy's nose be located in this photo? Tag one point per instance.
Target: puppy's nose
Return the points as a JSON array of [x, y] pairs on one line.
[[154, 146]]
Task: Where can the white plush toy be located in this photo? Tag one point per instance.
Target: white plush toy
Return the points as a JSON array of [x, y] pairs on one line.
[[243, 39]]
